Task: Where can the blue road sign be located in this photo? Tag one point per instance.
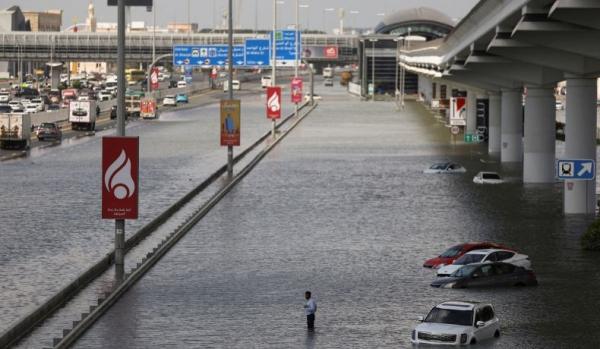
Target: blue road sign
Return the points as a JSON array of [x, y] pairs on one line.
[[207, 55], [286, 47], [258, 52], [576, 169]]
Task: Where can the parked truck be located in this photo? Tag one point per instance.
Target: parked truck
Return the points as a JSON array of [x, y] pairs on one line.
[[82, 115], [148, 108], [15, 131]]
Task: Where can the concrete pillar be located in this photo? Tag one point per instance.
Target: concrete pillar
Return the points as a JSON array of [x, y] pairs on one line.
[[494, 138], [54, 77], [580, 142], [471, 112], [539, 144], [511, 126]]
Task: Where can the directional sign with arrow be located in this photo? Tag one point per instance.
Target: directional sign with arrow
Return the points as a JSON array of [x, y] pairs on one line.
[[576, 169]]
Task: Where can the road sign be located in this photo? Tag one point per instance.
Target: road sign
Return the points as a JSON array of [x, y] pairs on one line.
[[455, 130], [286, 47], [120, 168], [230, 122], [297, 90], [258, 52], [468, 138], [154, 79], [207, 55], [274, 102], [576, 169], [458, 111]]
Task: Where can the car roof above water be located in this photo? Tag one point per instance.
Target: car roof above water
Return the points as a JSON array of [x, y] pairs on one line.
[[458, 305]]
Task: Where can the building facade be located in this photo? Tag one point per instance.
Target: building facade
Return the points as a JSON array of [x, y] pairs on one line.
[[49, 21]]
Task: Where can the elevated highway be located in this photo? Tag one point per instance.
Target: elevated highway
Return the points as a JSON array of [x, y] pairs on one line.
[[505, 49]]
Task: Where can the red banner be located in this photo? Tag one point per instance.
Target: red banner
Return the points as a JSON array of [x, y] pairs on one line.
[[330, 52], [274, 102], [297, 90], [154, 79], [120, 168]]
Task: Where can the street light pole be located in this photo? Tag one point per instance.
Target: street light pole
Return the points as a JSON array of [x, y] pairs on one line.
[[120, 223], [274, 62], [407, 45], [297, 60], [230, 82]]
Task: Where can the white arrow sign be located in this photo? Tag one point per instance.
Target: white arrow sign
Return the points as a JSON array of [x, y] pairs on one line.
[[586, 168]]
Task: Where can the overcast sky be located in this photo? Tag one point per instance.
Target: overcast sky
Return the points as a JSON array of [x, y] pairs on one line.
[[207, 12]]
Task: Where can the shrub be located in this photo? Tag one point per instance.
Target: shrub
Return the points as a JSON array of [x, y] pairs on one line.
[[590, 240]]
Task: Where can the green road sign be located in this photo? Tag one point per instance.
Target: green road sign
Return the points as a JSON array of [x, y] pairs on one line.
[[468, 138]]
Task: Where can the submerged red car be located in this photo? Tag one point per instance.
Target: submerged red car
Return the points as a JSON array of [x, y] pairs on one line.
[[455, 252]]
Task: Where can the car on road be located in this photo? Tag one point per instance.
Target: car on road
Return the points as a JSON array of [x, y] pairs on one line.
[[488, 178], [445, 167], [169, 101], [457, 323], [235, 83], [265, 81], [181, 98], [457, 251], [328, 82], [497, 274], [15, 105], [48, 130], [181, 83], [31, 108], [39, 103], [172, 83], [113, 112], [104, 95], [5, 108], [316, 97], [4, 96], [52, 107], [486, 256]]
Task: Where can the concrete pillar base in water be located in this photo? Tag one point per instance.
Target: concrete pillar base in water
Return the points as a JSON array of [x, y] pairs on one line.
[[511, 126], [540, 135]]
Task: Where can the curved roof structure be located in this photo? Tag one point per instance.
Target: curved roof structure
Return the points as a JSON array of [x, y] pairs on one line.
[[422, 21]]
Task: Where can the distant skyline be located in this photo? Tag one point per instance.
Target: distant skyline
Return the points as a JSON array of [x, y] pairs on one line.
[[257, 13]]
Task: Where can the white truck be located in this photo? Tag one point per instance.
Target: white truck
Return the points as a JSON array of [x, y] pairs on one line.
[[328, 72], [82, 115], [15, 131]]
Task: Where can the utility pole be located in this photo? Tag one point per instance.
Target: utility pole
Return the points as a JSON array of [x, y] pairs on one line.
[[274, 63], [230, 82], [120, 223], [297, 60], [373, 41]]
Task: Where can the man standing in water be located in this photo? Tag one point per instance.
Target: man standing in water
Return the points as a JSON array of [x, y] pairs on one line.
[[310, 308]]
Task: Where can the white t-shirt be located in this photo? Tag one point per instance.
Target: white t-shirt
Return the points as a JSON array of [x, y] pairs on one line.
[[311, 307]]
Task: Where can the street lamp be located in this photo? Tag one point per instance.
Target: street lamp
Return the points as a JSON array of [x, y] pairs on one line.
[[373, 41], [397, 91], [330, 9], [406, 44]]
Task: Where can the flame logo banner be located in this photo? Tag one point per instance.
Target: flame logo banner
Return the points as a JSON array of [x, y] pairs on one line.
[[117, 178], [273, 102]]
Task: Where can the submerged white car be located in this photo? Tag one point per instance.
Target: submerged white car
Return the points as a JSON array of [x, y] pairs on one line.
[[486, 256], [457, 323], [445, 167], [488, 178]]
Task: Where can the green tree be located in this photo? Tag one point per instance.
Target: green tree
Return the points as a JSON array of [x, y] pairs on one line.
[[590, 240]]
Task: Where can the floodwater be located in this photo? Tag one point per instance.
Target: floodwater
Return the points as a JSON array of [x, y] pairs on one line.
[[50, 224], [341, 207]]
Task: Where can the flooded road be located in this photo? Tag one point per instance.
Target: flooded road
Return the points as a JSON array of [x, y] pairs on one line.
[[51, 229], [342, 208]]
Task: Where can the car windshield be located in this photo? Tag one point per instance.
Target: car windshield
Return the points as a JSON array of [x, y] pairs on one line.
[[469, 258], [451, 252], [438, 166], [490, 176], [452, 317], [46, 125], [464, 271]]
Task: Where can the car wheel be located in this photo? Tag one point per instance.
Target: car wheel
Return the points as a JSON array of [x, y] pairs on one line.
[[473, 341], [497, 334]]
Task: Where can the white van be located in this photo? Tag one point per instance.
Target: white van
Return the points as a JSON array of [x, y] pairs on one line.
[[265, 81], [328, 72], [181, 83]]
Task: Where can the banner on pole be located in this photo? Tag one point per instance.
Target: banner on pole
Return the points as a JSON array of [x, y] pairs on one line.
[[230, 122], [297, 90], [274, 102], [120, 171]]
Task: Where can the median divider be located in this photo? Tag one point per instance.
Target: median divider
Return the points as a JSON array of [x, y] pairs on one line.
[[22, 327]]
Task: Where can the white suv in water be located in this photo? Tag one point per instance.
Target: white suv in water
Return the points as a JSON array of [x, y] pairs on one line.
[[457, 323]]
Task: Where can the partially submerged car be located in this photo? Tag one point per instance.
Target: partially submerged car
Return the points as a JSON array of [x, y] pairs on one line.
[[488, 178], [445, 167], [486, 256], [457, 251], [457, 323], [498, 274]]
